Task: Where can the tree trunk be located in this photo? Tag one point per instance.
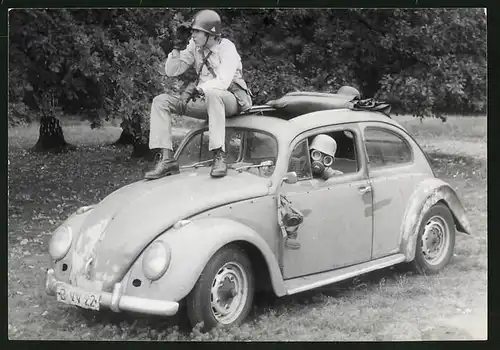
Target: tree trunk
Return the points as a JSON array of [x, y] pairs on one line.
[[51, 137], [141, 144], [142, 150], [126, 137], [133, 134], [138, 127]]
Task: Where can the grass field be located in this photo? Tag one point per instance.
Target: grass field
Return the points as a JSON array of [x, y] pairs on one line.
[[385, 305]]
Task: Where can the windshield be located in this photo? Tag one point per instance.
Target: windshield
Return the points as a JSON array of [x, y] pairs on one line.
[[244, 148]]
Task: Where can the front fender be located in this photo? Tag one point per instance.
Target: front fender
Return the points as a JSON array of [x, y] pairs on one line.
[[427, 194], [192, 246], [75, 221]]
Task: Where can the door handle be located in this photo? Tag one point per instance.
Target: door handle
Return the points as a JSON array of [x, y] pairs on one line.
[[365, 189]]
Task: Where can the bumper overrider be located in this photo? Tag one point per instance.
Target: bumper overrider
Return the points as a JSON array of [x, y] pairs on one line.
[[116, 301]]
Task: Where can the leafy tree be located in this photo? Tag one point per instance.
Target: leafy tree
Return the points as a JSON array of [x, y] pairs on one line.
[[43, 55], [427, 62], [109, 63]]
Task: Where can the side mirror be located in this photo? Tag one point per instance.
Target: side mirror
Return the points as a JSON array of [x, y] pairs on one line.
[[290, 178]]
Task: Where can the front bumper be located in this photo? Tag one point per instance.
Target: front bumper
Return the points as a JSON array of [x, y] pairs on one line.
[[117, 302]]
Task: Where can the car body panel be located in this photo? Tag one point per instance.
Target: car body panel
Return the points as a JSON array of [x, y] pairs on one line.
[[428, 193], [75, 222], [111, 236], [391, 191], [392, 187], [335, 233], [258, 214], [203, 237]]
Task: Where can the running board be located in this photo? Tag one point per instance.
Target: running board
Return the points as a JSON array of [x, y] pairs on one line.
[[301, 284]]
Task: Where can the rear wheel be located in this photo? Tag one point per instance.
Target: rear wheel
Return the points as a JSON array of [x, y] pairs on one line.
[[435, 241], [224, 292]]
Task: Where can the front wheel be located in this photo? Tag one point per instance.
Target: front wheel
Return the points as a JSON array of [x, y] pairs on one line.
[[224, 292], [435, 241]]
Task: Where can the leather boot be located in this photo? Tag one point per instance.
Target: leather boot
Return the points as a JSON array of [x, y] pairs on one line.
[[219, 166], [163, 168]]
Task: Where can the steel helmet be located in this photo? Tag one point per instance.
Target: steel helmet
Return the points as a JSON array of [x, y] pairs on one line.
[[324, 144], [207, 21], [349, 90]]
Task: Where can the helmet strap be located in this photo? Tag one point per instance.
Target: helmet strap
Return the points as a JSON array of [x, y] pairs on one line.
[[206, 40]]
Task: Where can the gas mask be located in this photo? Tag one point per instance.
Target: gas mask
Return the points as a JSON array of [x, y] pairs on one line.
[[320, 162]]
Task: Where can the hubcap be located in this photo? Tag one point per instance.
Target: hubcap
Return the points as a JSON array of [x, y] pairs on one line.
[[229, 292], [435, 240]]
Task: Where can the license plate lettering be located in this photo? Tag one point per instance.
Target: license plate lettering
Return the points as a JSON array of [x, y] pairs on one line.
[[61, 294], [74, 296], [91, 301]]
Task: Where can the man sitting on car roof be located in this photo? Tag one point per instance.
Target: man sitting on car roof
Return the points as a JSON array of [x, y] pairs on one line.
[[219, 91]]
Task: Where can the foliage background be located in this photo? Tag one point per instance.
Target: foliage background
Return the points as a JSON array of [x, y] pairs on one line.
[[108, 63]]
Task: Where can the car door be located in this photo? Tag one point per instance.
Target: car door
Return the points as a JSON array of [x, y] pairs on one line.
[[394, 173], [337, 226]]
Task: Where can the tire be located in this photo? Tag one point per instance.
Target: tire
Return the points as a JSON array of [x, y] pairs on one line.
[[228, 271], [435, 241]]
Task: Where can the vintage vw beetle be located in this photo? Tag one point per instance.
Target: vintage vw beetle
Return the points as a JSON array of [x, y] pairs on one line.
[[212, 242]]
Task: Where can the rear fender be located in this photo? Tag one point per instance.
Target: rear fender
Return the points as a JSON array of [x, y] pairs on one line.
[[426, 195], [192, 246]]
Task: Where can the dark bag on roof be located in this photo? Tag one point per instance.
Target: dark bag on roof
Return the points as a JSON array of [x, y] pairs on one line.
[[371, 104]]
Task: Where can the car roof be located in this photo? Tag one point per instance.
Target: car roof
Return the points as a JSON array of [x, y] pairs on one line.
[[288, 129], [339, 116]]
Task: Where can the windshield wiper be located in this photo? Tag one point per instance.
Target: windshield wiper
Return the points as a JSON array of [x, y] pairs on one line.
[[198, 164], [262, 164]]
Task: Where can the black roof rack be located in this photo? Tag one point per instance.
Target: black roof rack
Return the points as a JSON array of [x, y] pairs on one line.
[[260, 109]]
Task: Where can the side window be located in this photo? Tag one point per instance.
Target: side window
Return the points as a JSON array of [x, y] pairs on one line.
[[205, 154], [191, 152], [385, 148], [261, 147], [300, 162], [233, 144]]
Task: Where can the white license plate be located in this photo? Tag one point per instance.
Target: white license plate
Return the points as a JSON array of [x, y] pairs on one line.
[[74, 296]]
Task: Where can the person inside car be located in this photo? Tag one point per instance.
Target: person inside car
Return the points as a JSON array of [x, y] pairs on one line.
[[322, 150], [218, 92]]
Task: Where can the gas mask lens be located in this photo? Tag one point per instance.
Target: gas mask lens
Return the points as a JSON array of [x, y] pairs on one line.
[[316, 155], [327, 161]]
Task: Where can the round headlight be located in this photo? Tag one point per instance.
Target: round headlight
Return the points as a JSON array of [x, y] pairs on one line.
[[156, 260], [60, 242]]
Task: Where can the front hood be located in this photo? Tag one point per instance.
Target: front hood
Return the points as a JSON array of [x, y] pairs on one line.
[[117, 230]]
